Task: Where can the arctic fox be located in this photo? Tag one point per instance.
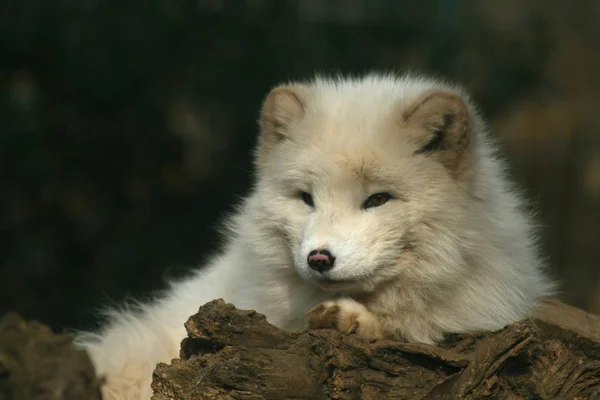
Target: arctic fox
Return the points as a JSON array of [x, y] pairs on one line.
[[379, 209]]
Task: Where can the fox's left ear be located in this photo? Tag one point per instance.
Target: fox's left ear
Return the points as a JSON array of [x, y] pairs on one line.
[[443, 125], [282, 108]]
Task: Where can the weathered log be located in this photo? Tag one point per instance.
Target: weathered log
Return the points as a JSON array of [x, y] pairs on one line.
[[36, 364], [235, 354]]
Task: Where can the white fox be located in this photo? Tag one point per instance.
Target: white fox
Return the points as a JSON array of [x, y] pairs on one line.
[[379, 205]]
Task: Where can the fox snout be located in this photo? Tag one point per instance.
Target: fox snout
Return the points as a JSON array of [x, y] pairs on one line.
[[320, 260]]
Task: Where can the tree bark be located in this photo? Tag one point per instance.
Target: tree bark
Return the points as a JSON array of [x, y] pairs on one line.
[[234, 354], [36, 364]]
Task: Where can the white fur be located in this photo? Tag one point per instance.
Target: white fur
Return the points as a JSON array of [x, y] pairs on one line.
[[448, 257]]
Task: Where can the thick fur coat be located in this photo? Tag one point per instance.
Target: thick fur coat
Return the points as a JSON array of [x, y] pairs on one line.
[[379, 208]]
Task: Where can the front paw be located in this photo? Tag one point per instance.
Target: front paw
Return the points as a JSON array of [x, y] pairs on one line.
[[347, 316]]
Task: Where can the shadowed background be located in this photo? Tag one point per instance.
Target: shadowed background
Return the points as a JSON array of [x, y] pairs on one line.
[[126, 129]]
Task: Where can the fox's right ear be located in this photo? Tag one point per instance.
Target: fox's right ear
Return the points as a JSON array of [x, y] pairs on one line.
[[283, 106]]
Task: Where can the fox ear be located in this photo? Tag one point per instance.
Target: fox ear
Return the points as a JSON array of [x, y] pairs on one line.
[[283, 106], [444, 127]]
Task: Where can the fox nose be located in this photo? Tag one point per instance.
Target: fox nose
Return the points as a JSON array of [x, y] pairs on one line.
[[320, 260]]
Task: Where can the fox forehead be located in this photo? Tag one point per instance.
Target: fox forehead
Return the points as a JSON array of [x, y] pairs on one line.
[[360, 139], [353, 163], [346, 155], [357, 169]]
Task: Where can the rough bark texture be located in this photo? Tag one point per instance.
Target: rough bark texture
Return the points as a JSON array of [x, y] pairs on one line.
[[36, 364], [235, 354]]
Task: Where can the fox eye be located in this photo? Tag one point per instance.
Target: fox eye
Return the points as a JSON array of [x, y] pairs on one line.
[[376, 200], [307, 199]]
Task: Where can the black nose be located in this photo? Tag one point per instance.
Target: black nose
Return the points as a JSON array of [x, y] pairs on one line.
[[320, 260]]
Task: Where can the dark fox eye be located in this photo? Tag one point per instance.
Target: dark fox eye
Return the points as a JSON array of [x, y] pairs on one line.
[[376, 200], [307, 199]]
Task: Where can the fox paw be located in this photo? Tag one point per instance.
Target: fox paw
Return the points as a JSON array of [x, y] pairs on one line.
[[347, 316]]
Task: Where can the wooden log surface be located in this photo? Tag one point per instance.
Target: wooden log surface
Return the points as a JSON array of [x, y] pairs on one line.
[[236, 354], [37, 364]]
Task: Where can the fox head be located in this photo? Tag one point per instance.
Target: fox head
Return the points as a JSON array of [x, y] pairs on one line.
[[366, 179]]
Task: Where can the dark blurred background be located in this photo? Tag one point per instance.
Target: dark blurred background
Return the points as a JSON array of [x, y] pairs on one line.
[[126, 127]]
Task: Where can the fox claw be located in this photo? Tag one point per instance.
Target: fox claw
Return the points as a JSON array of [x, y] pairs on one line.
[[347, 316]]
